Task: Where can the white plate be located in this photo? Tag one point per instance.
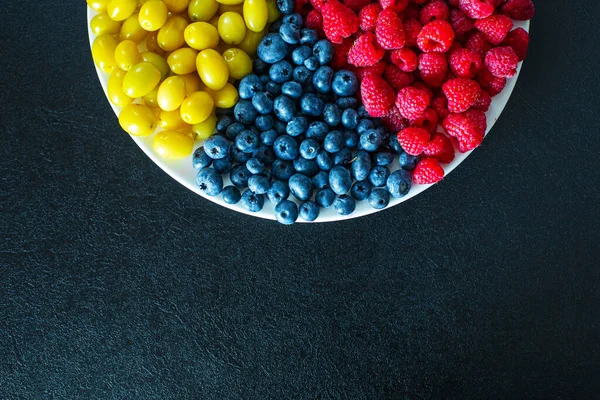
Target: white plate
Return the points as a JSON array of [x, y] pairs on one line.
[[183, 172]]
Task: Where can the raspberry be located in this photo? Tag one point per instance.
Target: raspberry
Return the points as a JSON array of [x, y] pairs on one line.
[[436, 37], [440, 105], [413, 140], [412, 28], [364, 51], [461, 94], [479, 119], [425, 87], [340, 54], [483, 101], [477, 9], [428, 171], [389, 31], [433, 68], [502, 62], [356, 5], [396, 5], [377, 95], [368, 17], [436, 10], [465, 63], [427, 121], [477, 42], [465, 130], [440, 148], [460, 22], [520, 10], [394, 121], [494, 27], [314, 20], [413, 11], [397, 78], [519, 41], [377, 69], [412, 102], [303, 7], [405, 59], [489, 82], [339, 21], [317, 4]]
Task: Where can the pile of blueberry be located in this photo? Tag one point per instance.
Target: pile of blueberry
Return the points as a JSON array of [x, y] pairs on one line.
[[298, 128]]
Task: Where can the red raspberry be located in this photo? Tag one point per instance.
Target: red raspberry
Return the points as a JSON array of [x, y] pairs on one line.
[[405, 59], [412, 102], [483, 101], [396, 5], [377, 95], [302, 7], [440, 105], [364, 51], [479, 119], [453, 3], [377, 69], [339, 21], [317, 4], [314, 20], [461, 94], [465, 63], [413, 140], [465, 130], [340, 55], [519, 41], [460, 22], [436, 37], [427, 121], [368, 17], [356, 5], [389, 31], [502, 62], [477, 9], [413, 11], [394, 121], [425, 87], [412, 28], [489, 82], [477, 42], [520, 10], [436, 10], [440, 148], [397, 78], [433, 68], [428, 171], [494, 28]]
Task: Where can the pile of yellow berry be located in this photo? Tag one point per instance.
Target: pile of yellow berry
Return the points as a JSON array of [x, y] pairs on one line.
[[171, 62]]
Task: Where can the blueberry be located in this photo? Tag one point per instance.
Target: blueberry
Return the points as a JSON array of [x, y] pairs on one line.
[[281, 72], [231, 195], [239, 175], [306, 167], [272, 48], [342, 157], [311, 105], [322, 79], [344, 83], [294, 19], [245, 112], [233, 130], [344, 205], [279, 127], [289, 33], [264, 122], [350, 118], [332, 114], [362, 112], [323, 50], [263, 103], [361, 166], [200, 159], [309, 210], [258, 184], [340, 179], [249, 86], [247, 141], [300, 186], [286, 6], [399, 183], [300, 54], [302, 75], [312, 63], [268, 137], [284, 107], [259, 66], [286, 212], [324, 160], [407, 161], [320, 180], [325, 197], [379, 198], [273, 88], [274, 27], [370, 140], [334, 141], [282, 170], [278, 191], [351, 139], [292, 89], [223, 123], [219, 112], [264, 153], [222, 165], [364, 125], [286, 147], [317, 130], [264, 79], [237, 156], [384, 158], [297, 126], [308, 36], [360, 190], [347, 102], [209, 181], [253, 202], [378, 175], [216, 147], [255, 166], [394, 144], [309, 148]]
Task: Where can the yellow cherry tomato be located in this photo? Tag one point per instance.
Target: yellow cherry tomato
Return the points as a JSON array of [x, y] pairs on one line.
[[201, 35], [232, 27], [98, 5], [170, 36], [158, 61], [214, 21], [141, 3], [172, 144], [230, 1], [115, 89], [206, 128], [196, 107], [251, 42], [153, 15], [202, 10], [120, 10], [137, 120], [256, 14], [183, 61], [151, 99], [177, 6], [152, 43], [140, 80], [238, 63], [226, 97], [192, 83], [101, 23], [171, 120], [237, 8], [274, 12], [132, 30], [127, 54], [103, 52], [212, 69], [171, 93]]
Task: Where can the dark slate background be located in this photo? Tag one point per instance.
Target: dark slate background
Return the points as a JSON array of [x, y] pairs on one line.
[[118, 283]]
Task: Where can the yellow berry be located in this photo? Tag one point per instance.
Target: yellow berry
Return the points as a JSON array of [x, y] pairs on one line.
[[170, 36], [171, 93], [196, 107], [201, 35], [140, 80], [226, 97], [115, 89], [98, 5], [236, 8], [103, 52], [202, 10], [177, 6], [212, 69], [274, 12], [158, 61], [183, 61], [120, 10], [101, 23], [172, 144], [230, 1], [251, 42], [171, 120], [192, 83], [137, 120], [206, 128], [151, 99], [153, 15], [256, 14], [127, 54], [232, 27], [132, 30], [238, 63]]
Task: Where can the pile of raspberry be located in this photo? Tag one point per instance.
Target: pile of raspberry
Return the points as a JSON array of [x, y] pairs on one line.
[[425, 63]]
